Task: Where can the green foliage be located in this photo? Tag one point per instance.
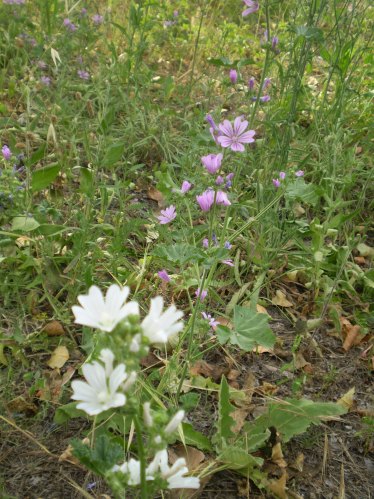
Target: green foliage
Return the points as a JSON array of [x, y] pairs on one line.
[[102, 457], [250, 330], [225, 422], [179, 253], [292, 417], [43, 177]]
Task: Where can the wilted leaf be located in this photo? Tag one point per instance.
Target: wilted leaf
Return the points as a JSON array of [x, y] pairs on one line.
[[58, 357], [156, 195], [280, 299], [192, 456], [301, 363], [261, 310], [347, 399], [21, 405], [278, 487], [67, 455], [351, 334], [277, 456], [207, 370], [298, 464], [54, 328]]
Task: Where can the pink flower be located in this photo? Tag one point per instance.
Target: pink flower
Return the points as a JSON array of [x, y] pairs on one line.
[[201, 294], [251, 83], [206, 200], [7, 153], [69, 25], [267, 82], [212, 162], [219, 180], [282, 175], [265, 98], [83, 75], [186, 186], [236, 136], [276, 182], [252, 7], [162, 274], [97, 19], [299, 173], [206, 243], [228, 262], [221, 198], [167, 215], [233, 76], [210, 319]]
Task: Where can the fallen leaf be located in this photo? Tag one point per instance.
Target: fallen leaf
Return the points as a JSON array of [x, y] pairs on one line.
[[351, 334], [260, 349], [347, 399], [365, 250], [58, 358], [277, 456], [192, 456], [301, 363], [280, 299], [239, 416], [22, 405], [54, 328], [156, 195], [267, 388], [278, 487], [201, 367], [67, 455], [298, 464], [262, 310]]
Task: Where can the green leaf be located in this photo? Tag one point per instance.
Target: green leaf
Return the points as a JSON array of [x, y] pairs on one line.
[[24, 224], [67, 412], [102, 457], [51, 229], [250, 329], [292, 417], [43, 177], [225, 421], [307, 193], [195, 438], [221, 61], [179, 253], [36, 156], [86, 181], [309, 32], [113, 154], [238, 458]]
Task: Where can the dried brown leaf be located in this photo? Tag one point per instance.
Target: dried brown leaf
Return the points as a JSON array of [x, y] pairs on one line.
[[201, 367], [278, 487], [280, 299], [277, 456], [347, 399], [54, 328], [58, 358], [156, 195]]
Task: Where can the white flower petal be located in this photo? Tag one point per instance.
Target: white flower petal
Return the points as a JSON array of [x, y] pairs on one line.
[[95, 375]]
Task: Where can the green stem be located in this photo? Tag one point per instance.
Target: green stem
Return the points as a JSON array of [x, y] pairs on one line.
[[141, 454]]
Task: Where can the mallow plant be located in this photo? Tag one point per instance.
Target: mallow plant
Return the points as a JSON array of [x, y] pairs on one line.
[[110, 387]]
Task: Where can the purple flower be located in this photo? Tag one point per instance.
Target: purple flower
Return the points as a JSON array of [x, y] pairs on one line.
[[45, 80], [227, 245], [276, 182], [219, 180], [201, 294], [210, 120], [267, 82], [97, 19], [233, 76], [186, 186], [83, 75], [236, 136], [274, 42], [162, 274], [299, 173], [176, 13], [221, 198], [252, 7], [167, 24], [206, 200], [282, 175], [42, 65], [83, 11], [212, 162], [69, 25], [205, 243], [167, 215], [228, 262], [14, 2], [265, 98], [230, 176], [251, 83], [7, 153], [210, 319]]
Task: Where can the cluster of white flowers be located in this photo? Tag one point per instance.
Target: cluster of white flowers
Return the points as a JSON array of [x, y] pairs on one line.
[[174, 475], [105, 313], [100, 393]]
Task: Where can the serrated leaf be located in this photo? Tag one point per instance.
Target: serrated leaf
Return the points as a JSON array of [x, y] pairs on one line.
[[292, 417], [179, 253], [195, 438], [102, 457], [43, 177], [251, 329], [238, 458], [67, 412], [225, 421], [307, 193]]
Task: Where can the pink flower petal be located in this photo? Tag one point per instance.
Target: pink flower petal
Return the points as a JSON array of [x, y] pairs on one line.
[[247, 137], [239, 126], [226, 128], [224, 141], [237, 147]]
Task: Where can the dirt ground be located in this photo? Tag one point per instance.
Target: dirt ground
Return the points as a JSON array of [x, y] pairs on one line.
[[338, 458]]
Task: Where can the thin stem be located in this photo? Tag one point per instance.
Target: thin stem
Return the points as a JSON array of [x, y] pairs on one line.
[[141, 454]]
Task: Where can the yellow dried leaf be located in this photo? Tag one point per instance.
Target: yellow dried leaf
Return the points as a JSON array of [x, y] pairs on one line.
[[261, 310], [277, 456], [347, 399], [281, 300], [53, 328], [278, 487], [58, 357]]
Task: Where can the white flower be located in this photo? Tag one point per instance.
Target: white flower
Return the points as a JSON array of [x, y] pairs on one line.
[[104, 313], [100, 392], [132, 468], [173, 474], [147, 416], [174, 422], [159, 326]]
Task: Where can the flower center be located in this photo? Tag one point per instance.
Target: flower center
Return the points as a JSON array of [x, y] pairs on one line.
[[106, 319], [103, 396]]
